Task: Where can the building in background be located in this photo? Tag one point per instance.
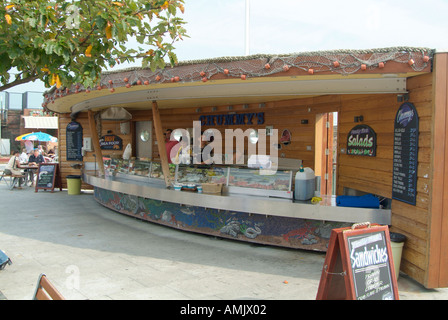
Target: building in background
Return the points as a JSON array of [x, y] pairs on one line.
[[22, 113]]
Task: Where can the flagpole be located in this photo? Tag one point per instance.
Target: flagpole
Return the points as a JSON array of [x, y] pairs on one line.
[[247, 26]]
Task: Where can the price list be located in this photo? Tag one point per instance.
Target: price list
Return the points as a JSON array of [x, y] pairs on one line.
[[404, 181], [74, 141]]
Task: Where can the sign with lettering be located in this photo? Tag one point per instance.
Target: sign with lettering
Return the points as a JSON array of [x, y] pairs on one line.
[[359, 265], [361, 141], [111, 142], [232, 119], [404, 179], [74, 141], [370, 266], [48, 177]]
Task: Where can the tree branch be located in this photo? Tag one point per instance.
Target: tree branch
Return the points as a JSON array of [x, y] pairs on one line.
[[18, 82]]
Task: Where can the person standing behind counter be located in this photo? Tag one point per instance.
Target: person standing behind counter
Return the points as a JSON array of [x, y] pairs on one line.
[[169, 144]]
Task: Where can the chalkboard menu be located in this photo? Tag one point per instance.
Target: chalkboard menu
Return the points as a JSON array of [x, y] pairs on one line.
[[74, 141], [48, 177], [359, 265], [370, 266], [404, 181]]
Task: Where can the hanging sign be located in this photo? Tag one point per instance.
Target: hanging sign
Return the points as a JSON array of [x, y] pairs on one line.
[[361, 141], [111, 142], [74, 141], [359, 265], [404, 179]]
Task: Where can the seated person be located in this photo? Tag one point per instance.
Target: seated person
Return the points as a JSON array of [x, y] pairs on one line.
[[13, 166], [23, 158], [36, 158], [41, 150]]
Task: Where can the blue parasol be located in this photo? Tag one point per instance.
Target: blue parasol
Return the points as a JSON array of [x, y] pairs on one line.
[[37, 136]]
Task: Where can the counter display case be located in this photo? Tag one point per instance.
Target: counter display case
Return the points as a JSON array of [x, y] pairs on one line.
[[198, 175], [139, 168], [253, 182], [236, 180], [157, 173]]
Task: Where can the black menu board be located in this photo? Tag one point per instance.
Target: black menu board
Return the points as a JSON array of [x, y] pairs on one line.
[[404, 181], [48, 177], [370, 266], [74, 141], [359, 265]]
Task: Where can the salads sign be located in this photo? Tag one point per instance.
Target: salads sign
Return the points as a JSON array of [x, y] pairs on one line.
[[361, 141]]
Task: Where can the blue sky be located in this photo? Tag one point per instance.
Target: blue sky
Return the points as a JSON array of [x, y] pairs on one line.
[[217, 27]]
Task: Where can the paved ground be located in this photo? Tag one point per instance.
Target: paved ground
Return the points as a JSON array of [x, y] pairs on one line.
[[90, 252]]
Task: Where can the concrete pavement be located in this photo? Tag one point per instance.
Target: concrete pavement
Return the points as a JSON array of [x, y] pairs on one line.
[[90, 252]]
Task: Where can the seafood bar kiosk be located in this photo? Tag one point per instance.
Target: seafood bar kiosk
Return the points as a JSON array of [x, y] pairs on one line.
[[363, 125]]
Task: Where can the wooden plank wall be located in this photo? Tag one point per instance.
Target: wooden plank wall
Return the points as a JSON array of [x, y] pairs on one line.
[[374, 175], [282, 115], [413, 221], [438, 237], [66, 169]]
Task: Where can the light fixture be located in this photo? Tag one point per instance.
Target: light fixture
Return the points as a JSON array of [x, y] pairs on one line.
[[359, 119]]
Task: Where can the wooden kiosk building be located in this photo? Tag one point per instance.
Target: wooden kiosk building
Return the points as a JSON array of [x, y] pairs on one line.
[[300, 93]]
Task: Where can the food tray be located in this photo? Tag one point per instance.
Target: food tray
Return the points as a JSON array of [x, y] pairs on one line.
[[212, 187]]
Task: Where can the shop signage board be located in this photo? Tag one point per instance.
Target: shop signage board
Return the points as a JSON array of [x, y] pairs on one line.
[[361, 141], [404, 179], [359, 265], [111, 142], [232, 119], [48, 177], [74, 141]]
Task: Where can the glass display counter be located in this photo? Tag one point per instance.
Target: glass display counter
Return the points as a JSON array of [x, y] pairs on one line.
[[254, 182], [236, 180]]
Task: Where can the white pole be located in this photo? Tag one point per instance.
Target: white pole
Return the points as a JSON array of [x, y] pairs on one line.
[[247, 26]]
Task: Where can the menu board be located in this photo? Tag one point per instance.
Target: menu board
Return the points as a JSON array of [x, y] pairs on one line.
[[48, 177], [359, 265], [404, 181], [74, 141], [370, 266]]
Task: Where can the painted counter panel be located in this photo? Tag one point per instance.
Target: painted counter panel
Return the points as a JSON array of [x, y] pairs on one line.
[[255, 228]]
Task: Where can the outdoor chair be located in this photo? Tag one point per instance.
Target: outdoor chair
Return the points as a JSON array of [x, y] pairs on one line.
[[13, 179], [45, 290]]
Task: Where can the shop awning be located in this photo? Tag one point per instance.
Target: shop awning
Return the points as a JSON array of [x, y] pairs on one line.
[[41, 122]]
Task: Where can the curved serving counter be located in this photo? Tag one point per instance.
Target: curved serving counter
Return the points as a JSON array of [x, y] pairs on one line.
[[257, 219]]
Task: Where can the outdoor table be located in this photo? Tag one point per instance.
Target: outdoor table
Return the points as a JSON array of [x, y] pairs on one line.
[[29, 172]]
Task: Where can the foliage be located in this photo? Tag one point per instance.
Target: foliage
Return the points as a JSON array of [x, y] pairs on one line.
[[70, 42]]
